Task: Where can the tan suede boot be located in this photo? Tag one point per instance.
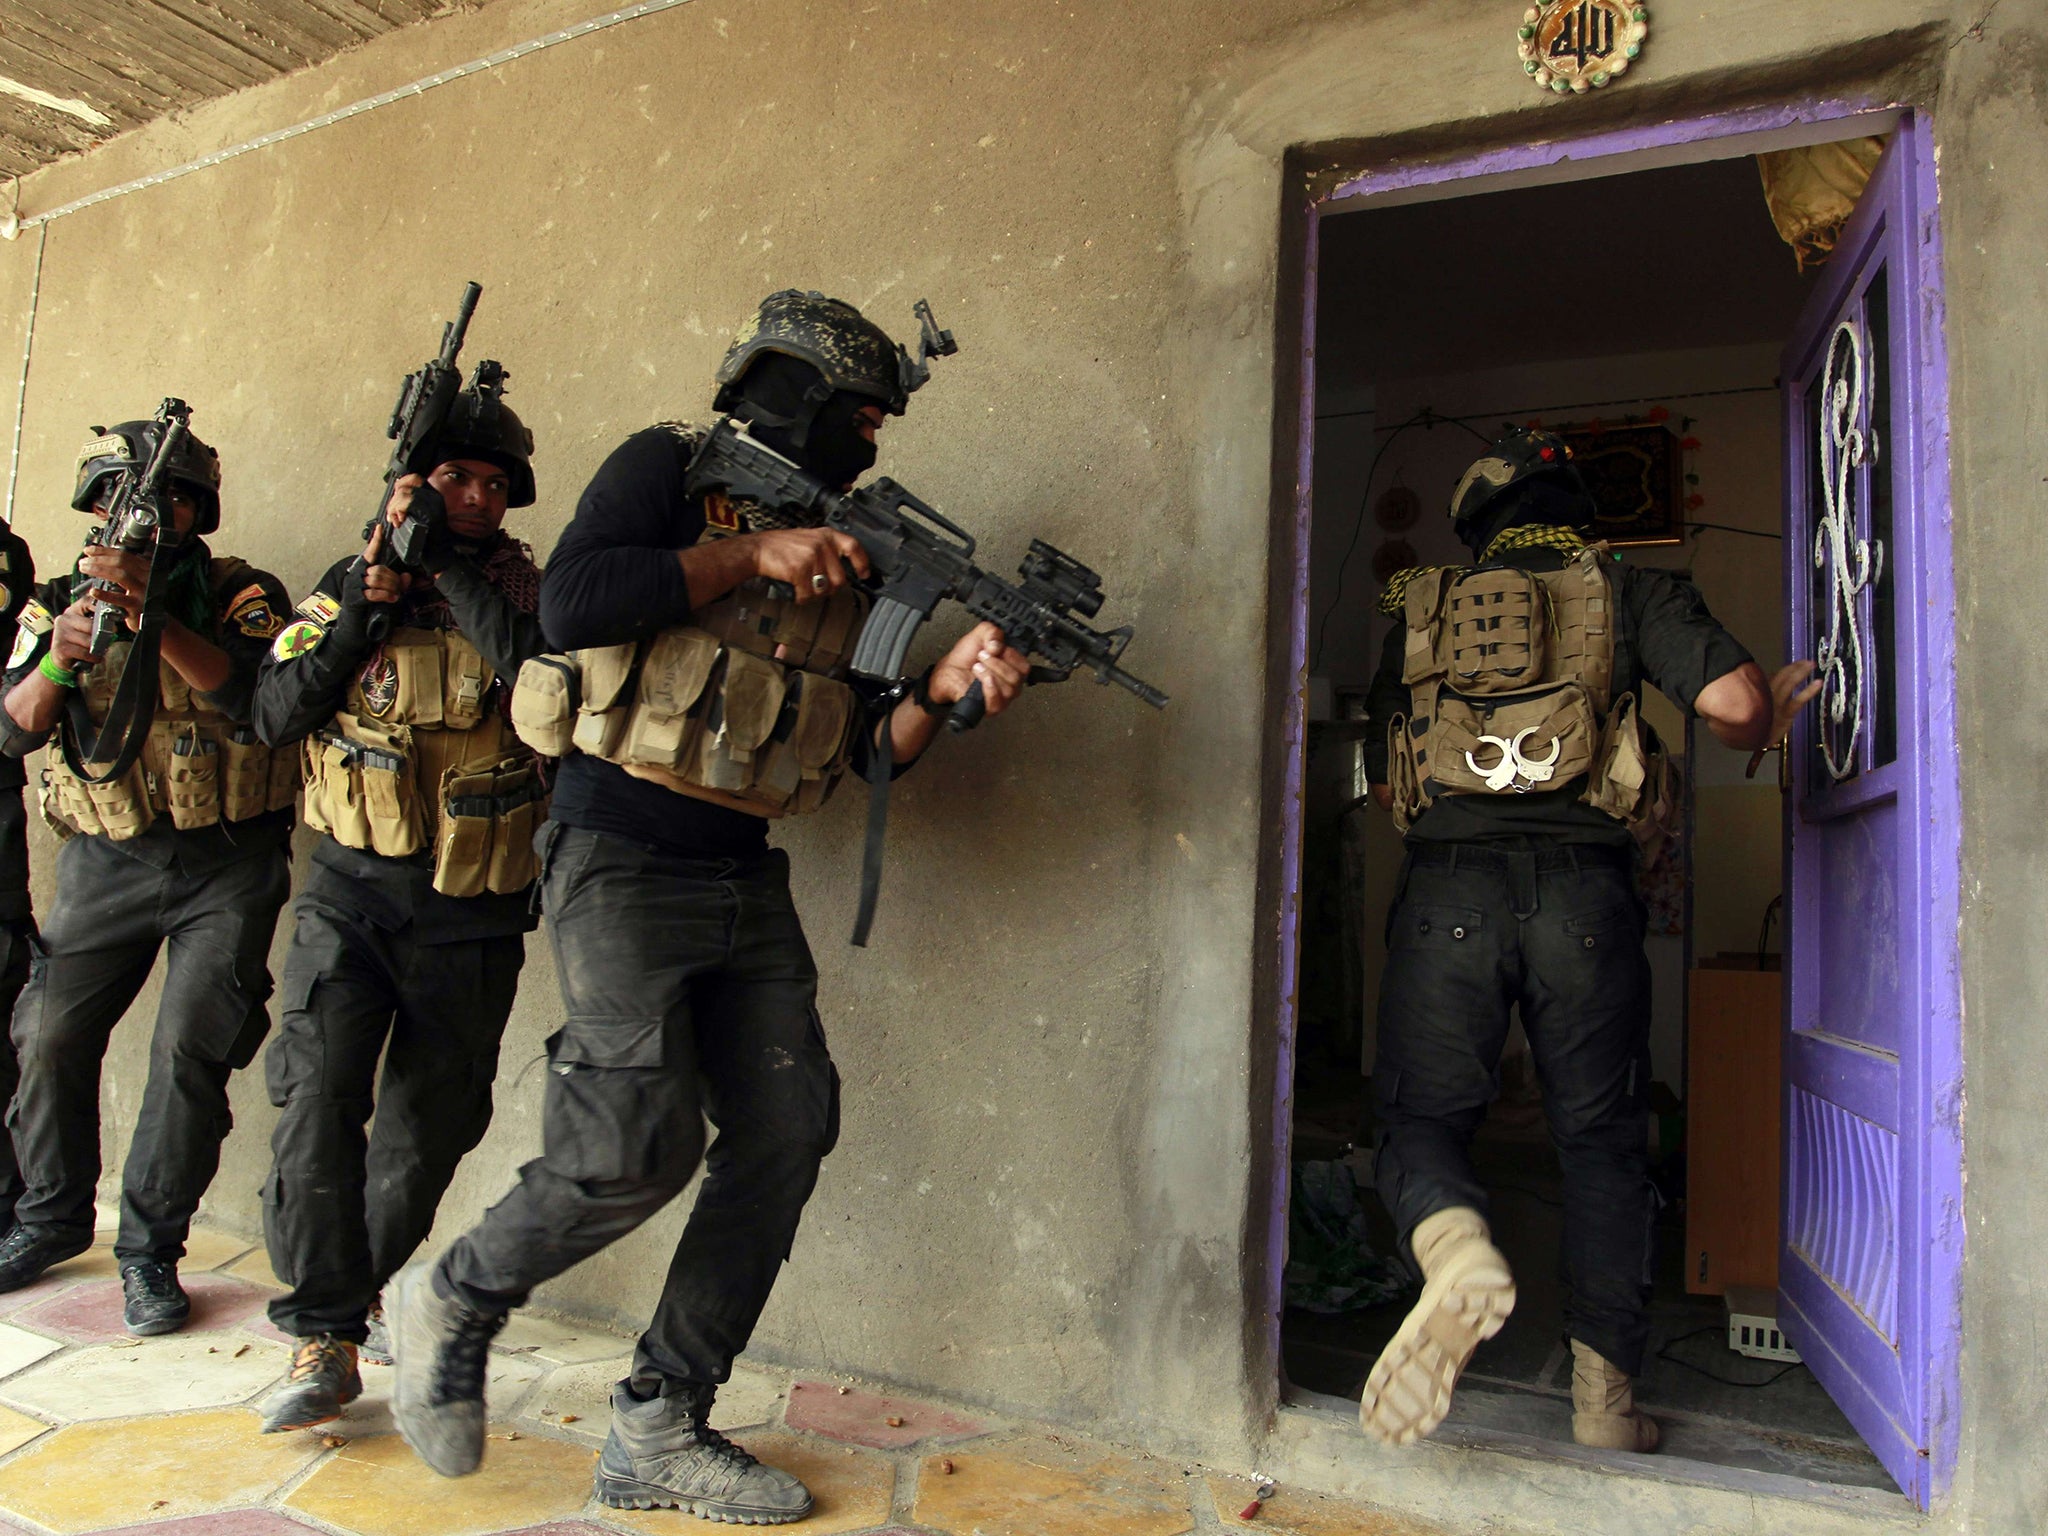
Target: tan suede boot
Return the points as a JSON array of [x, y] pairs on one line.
[[1468, 1292], [1604, 1405]]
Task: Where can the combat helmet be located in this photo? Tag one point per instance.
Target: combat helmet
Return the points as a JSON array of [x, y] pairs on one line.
[[127, 447], [849, 350], [1519, 455], [481, 425]]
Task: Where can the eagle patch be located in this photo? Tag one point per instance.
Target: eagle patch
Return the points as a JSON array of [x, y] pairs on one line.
[[35, 622], [296, 640], [252, 614]]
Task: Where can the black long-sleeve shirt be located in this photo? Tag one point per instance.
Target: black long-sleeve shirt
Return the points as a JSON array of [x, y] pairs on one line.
[[244, 620], [296, 695], [17, 585], [1664, 635], [614, 577]]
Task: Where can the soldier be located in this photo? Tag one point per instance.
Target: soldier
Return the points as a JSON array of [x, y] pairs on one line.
[[187, 849], [17, 924], [689, 988], [1514, 757], [411, 927]]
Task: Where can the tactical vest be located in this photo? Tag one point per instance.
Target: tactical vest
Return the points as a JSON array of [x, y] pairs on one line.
[[745, 707], [418, 759], [1510, 676], [197, 764]]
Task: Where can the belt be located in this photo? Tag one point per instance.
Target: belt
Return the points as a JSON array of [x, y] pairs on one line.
[[1572, 856]]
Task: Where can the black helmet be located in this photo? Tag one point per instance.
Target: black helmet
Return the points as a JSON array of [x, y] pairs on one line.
[[1518, 456], [849, 350], [482, 426], [127, 447]]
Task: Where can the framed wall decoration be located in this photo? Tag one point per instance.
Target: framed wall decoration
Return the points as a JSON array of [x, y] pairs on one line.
[[1637, 477]]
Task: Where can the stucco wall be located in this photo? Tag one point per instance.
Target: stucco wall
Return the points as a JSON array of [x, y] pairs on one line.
[[1052, 1193]]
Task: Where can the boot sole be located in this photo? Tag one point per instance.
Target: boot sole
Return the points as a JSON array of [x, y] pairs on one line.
[[45, 1268], [326, 1418], [1409, 1391], [625, 1493], [161, 1326], [401, 1307]]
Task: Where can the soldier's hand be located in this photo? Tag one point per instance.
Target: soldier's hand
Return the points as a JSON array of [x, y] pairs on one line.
[[399, 503], [381, 583], [981, 656], [812, 561], [1790, 693], [71, 636], [129, 573], [1382, 795]]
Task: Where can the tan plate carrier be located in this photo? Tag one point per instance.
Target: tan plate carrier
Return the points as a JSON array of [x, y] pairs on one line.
[[1510, 674], [197, 765], [434, 767], [745, 708]]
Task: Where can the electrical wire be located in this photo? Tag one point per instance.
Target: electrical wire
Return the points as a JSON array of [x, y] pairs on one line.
[[1727, 1381], [1754, 533]]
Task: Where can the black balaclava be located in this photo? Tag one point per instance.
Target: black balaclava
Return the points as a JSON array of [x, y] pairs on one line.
[[1548, 499], [790, 409]]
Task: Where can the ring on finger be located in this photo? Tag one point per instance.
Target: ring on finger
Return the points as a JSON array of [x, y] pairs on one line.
[[817, 582]]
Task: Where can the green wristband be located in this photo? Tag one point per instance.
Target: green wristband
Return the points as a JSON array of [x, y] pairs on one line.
[[61, 676]]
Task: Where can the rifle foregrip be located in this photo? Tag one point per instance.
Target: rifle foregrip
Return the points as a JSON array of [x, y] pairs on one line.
[[967, 714]]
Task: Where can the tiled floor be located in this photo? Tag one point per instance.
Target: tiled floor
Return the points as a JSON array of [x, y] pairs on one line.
[[105, 1434]]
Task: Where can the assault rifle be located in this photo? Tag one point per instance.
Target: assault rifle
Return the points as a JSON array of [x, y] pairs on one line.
[[138, 516], [916, 559], [424, 403]]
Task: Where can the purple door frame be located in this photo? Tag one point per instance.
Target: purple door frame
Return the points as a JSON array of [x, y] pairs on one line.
[[1933, 1081]]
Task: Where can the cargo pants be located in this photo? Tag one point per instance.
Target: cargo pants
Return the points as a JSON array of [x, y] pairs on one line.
[[690, 995], [113, 913], [345, 1208], [1475, 930]]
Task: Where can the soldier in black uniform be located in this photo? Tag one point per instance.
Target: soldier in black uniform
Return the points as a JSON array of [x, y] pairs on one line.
[[1513, 756], [704, 702], [17, 923], [411, 925], [186, 850]]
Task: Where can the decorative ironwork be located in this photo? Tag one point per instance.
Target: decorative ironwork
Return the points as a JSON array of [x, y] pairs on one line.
[[1850, 562]]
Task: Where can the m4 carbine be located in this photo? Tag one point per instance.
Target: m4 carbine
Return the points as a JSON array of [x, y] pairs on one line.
[[916, 558]]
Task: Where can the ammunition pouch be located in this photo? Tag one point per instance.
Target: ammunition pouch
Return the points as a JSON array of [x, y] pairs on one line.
[[419, 762]]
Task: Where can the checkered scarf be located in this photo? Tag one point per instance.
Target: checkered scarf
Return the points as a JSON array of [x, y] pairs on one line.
[[1506, 542]]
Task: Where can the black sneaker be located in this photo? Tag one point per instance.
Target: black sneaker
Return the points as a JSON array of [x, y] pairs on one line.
[[376, 1346], [443, 1349], [324, 1379], [25, 1252], [661, 1454], [152, 1300]]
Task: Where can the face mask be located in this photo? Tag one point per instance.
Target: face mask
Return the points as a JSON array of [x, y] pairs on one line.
[[837, 451]]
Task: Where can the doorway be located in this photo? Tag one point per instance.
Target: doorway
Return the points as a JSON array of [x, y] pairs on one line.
[[1653, 313]]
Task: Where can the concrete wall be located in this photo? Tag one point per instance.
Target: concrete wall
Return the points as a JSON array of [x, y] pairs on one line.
[[1054, 1192]]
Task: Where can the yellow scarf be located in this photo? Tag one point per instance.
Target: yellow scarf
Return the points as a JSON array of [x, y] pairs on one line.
[[1506, 542]]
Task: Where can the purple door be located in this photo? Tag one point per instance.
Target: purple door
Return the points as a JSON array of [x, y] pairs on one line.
[[1872, 1218]]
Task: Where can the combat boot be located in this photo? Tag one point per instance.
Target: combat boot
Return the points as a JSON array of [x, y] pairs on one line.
[[152, 1301], [442, 1351], [323, 1381], [376, 1345], [1467, 1293], [661, 1454], [25, 1252], [1604, 1405]]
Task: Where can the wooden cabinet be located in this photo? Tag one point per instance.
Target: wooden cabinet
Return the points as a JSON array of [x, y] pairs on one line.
[[1733, 1131]]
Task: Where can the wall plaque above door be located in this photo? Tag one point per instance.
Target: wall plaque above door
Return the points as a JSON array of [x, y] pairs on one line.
[[1575, 45]]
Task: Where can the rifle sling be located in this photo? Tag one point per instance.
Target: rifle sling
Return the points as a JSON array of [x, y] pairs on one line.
[[134, 704], [881, 769]]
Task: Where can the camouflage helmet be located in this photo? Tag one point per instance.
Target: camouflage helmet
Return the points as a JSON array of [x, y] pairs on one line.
[[482, 426], [847, 348], [1518, 455], [127, 447]]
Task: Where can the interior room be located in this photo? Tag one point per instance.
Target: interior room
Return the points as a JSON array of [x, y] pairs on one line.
[[1642, 315]]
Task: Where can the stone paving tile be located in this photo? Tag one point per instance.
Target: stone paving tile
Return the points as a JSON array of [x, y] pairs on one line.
[[751, 1398], [852, 1489], [378, 1487], [560, 1343], [863, 1417], [185, 1464], [254, 1267], [20, 1349], [1042, 1487], [146, 1376], [1296, 1512], [210, 1248], [237, 1522], [17, 1429], [91, 1313], [96, 1263]]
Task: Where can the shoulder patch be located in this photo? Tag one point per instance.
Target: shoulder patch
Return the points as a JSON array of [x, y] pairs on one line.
[[35, 622], [251, 612], [720, 513], [297, 639], [320, 608]]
